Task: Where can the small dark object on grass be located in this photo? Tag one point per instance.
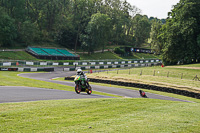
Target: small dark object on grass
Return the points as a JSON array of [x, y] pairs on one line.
[[142, 94]]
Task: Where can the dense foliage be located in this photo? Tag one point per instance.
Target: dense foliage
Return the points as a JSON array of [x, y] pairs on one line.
[[72, 23], [179, 39], [91, 24], [117, 50]]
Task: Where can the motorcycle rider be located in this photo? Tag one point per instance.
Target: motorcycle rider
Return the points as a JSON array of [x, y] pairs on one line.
[[81, 73]]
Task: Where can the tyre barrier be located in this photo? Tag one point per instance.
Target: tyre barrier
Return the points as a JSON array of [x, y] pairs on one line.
[[145, 86], [28, 69]]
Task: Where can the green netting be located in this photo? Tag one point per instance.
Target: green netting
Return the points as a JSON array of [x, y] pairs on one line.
[[38, 51], [65, 52], [52, 52]]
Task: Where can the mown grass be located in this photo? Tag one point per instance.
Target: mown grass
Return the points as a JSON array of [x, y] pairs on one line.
[[146, 56], [22, 55], [141, 56], [169, 77], [11, 79], [100, 115], [190, 65], [16, 55], [110, 55], [98, 56]]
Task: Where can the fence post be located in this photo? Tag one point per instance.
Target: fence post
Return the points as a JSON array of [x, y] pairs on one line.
[[168, 74], [196, 78]]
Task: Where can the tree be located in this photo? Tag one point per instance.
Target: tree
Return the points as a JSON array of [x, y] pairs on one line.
[[8, 32], [98, 30], [15, 9], [81, 17], [180, 33], [66, 20], [28, 32], [155, 39], [122, 14], [142, 29]]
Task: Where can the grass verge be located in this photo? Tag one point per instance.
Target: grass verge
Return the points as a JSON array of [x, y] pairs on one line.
[[100, 115], [11, 79]]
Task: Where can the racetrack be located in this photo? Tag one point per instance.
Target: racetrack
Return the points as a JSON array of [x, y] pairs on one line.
[[25, 94], [117, 91]]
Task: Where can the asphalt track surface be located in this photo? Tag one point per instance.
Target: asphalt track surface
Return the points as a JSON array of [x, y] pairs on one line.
[[24, 94]]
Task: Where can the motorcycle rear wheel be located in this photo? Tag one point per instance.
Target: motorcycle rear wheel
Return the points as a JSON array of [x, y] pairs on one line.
[[89, 90]]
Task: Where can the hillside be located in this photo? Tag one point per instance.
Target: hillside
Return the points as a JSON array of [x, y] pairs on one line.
[[22, 55], [16, 55]]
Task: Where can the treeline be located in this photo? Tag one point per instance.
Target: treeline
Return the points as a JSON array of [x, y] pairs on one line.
[[179, 39], [72, 23], [88, 24]]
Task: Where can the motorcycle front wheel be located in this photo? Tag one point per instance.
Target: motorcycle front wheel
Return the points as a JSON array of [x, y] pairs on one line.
[[77, 89]]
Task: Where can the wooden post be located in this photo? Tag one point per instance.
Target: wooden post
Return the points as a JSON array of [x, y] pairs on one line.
[[168, 74]]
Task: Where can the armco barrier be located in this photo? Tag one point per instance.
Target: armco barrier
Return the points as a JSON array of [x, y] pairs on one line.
[[112, 66], [83, 63], [27, 69], [145, 86]]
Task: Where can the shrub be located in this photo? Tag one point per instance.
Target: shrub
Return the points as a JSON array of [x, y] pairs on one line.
[[117, 50]]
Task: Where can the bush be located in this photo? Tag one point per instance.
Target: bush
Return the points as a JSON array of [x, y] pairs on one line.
[[117, 50]]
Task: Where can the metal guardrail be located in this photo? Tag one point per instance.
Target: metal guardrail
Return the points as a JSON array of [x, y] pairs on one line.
[[8, 63]]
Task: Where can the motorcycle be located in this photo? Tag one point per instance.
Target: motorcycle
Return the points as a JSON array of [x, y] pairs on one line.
[[142, 94], [81, 85]]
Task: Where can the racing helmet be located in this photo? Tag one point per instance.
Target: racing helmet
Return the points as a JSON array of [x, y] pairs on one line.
[[79, 71]]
